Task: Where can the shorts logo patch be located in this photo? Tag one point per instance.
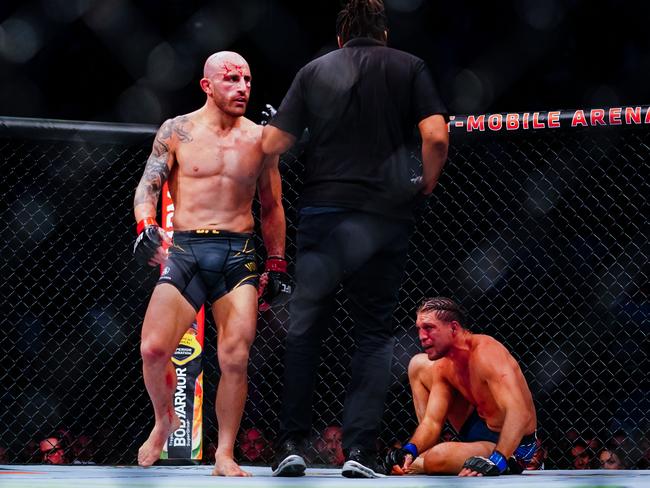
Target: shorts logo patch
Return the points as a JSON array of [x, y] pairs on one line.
[[165, 271], [246, 249], [251, 266]]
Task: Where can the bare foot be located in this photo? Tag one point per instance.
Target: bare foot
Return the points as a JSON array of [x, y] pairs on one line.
[[226, 466], [150, 451], [417, 466]]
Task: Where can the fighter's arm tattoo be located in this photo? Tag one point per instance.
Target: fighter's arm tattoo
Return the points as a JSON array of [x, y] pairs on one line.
[[159, 164], [156, 170]]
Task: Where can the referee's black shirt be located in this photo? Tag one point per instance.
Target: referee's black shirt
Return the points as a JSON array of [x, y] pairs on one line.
[[361, 104]]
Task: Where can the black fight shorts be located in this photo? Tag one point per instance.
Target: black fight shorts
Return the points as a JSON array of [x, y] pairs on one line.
[[206, 264]]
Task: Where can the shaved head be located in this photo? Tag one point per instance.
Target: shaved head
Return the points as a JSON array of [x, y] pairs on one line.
[[227, 82], [224, 61]]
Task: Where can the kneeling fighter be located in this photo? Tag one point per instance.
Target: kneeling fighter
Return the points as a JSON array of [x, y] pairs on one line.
[[213, 161], [474, 383]]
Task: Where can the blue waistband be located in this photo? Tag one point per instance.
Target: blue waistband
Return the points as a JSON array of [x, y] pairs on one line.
[[475, 429]]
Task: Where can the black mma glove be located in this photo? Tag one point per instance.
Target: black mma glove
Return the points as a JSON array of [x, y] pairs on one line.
[[515, 466], [495, 465], [397, 455], [279, 287], [268, 114], [148, 241]]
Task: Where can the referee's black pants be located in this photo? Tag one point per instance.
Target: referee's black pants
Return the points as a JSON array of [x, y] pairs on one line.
[[366, 254]]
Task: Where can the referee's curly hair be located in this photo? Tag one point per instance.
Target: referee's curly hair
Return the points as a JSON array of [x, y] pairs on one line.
[[362, 18]]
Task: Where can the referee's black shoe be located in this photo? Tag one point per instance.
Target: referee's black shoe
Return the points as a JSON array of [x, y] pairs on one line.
[[361, 463], [289, 460]]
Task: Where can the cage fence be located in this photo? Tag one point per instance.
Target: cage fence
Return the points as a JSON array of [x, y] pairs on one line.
[[541, 234]]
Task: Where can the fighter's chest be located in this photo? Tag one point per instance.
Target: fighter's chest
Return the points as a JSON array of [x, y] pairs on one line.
[[468, 383], [236, 158]]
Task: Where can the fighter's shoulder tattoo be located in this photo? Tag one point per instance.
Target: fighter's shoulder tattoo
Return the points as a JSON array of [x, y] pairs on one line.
[[182, 127], [163, 136]]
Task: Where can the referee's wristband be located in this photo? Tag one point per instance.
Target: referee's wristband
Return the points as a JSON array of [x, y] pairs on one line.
[[144, 223], [499, 460], [411, 448]]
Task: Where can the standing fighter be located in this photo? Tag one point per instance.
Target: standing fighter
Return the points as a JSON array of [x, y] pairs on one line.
[[361, 104], [213, 161], [474, 383]]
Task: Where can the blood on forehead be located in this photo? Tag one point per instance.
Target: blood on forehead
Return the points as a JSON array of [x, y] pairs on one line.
[[230, 67]]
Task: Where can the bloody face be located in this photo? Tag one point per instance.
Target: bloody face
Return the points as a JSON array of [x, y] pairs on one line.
[[231, 87]]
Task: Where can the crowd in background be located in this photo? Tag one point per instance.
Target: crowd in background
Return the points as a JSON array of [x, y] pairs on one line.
[[585, 450]]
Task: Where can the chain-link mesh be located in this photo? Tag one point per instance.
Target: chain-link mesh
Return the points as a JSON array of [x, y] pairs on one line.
[[541, 235]]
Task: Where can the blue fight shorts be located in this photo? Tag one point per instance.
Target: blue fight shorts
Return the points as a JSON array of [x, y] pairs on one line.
[[475, 429]]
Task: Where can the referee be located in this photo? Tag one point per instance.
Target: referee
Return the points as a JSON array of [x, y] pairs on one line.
[[360, 104]]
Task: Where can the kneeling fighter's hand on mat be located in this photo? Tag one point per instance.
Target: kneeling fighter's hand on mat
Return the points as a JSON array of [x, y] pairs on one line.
[[148, 247], [495, 465], [515, 466], [398, 460], [276, 285]]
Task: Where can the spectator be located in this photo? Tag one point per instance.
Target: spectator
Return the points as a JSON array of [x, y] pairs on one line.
[[330, 446], [64, 434], [52, 451], [618, 439], [592, 440], [558, 454], [571, 435], [620, 442], [253, 445], [582, 455], [3, 455], [611, 459], [83, 450]]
